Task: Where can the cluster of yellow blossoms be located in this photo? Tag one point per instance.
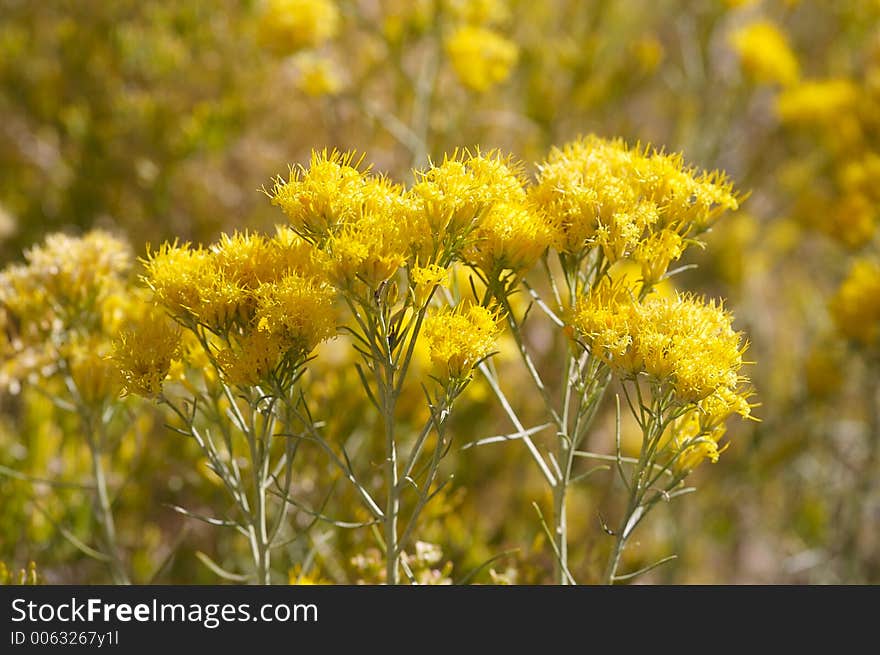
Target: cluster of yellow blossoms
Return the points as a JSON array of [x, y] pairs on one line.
[[631, 202], [481, 57], [684, 346], [765, 54], [257, 304], [845, 114], [59, 310]]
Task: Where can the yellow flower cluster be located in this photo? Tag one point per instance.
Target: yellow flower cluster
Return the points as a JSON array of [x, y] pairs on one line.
[[59, 310], [145, 350], [844, 112], [683, 343], [286, 26], [263, 298], [631, 202], [855, 307], [480, 57], [458, 339], [765, 54]]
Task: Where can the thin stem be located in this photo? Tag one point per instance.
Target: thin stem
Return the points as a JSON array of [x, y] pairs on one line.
[[102, 503]]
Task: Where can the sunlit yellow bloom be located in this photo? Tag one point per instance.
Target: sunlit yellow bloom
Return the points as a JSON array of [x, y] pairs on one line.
[[691, 443], [480, 57], [286, 26], [595, 192], [176, 274], [145, 350], [251, 359], [682, 342], [320, 197], [458, 339], [655, 253], [855, 307], [448, 200], [765, 54], [508, 236], [298, 311], [424, 279], [372, 248]]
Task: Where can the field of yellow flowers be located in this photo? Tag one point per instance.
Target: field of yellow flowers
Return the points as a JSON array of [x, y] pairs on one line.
[[440, 291]]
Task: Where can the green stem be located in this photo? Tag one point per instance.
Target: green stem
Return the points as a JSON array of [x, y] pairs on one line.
[[104, 511]]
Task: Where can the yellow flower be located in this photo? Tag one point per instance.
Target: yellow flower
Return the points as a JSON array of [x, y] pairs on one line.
[[480, 57], [251, 359], [691, 443], [594, 192], [855, 307], [319, 198], [765, 54], [145, 350], [424, 279], [286, 26], [298, 311], [458, 339], [683, 342], [65, 278], [177, 274], [508, 236], [450, 199], [372, 248], [655, 253]]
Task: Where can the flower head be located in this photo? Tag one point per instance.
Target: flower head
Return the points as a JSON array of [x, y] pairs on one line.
[[765, 54], [682, 342], [458, 339], [319, 198], [450, 199], [480, 57], [594, 192], [145, 349]]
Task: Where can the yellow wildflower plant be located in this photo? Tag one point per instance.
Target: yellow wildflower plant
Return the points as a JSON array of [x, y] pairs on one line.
[[296, 310], [480, 57], [287, 26], [765, 53], [424, 280], [683, 342]]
